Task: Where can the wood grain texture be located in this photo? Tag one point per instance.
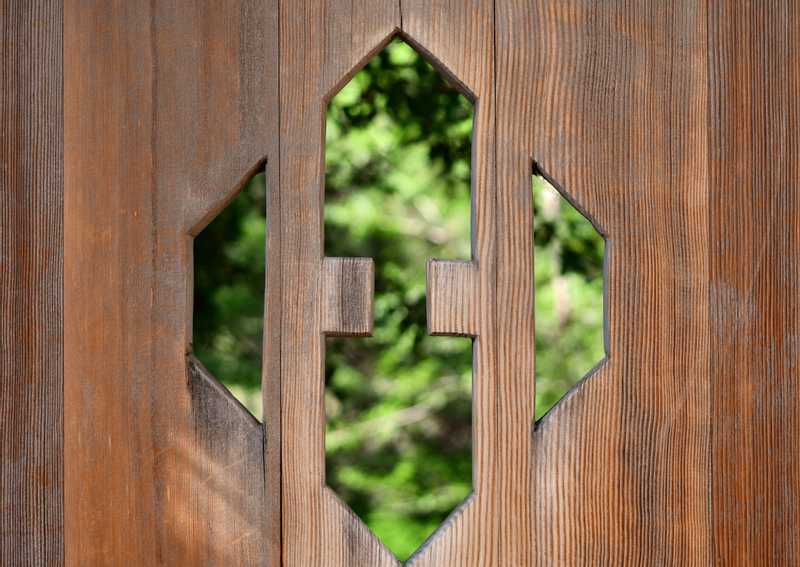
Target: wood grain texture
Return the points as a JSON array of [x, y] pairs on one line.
[[614, 109], [31, 263], [452, 298], [167, 115], [754, 238], [493, 527], [348, 289], [322, 43], [674, 125]]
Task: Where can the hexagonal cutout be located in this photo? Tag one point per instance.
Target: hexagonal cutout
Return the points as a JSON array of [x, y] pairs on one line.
[[399, 403], [229, 279], [569, 253]]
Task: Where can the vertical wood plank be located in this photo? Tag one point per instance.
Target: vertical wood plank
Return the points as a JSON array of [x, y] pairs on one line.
[[460, 36], [347, 288], [321, 45], [613, 108], [753, 55], [108, 280], [169, 109], [31, 262]]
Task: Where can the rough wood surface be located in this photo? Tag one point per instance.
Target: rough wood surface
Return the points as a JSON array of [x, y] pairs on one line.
[[452, 298], [322, 43], [674, 125], [754, 213], [614, 109], [168, 112], [31, 228], [347, 286]]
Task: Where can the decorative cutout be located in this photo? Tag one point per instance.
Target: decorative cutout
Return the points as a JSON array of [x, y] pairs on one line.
[[569, 255], [229, 276], [399, 403]]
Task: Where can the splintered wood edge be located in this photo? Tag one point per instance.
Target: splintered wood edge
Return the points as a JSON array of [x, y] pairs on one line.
[[347, 288], [452, 298]]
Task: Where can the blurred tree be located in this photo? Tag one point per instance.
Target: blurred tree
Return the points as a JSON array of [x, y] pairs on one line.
[[398, 153], [398, 150]]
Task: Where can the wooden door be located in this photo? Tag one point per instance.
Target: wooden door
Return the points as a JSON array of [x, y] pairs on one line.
[[125, 127]]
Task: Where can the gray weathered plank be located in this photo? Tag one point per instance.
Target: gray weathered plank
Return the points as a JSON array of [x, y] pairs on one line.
[[31, 264]]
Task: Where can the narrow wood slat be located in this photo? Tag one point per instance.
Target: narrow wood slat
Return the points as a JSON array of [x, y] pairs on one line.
[[347, 288], [493, 526], [452, 298], [31, 301], [167, 115], [753, 59], [323, 43]]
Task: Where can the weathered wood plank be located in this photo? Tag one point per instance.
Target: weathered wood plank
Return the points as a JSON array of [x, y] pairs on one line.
[[323, 43], [452, 298], [169, 109], [31, 264], [348, 289], [754, 238], [613, 108], [492, 527]]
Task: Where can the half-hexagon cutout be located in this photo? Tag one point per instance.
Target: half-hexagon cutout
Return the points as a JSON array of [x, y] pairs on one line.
[[228, 309], [569, 258], [399, 403]]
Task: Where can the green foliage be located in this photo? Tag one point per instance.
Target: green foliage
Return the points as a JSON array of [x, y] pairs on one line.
[[398, 441], [399, 403], [568, 273], [229, 293]]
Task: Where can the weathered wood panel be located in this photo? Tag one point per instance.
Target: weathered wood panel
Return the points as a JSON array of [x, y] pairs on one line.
[[169, 108], [348, 288], [31, 228], [610, 100], [453, 299], [674, 125], [754, 238]]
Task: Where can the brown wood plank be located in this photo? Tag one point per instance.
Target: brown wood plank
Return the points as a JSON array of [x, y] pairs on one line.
[[753, 59], [169, 108], [452, 298], [613, 108], [31, 262], [493, 526], [348, 288], [674, 125], [322, 45]]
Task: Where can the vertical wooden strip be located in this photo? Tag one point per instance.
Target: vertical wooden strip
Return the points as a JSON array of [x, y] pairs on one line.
[[459, 35], [613, 108], [753, 55], [225, 508], [322, 43], [108, 283], [31, 264]]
